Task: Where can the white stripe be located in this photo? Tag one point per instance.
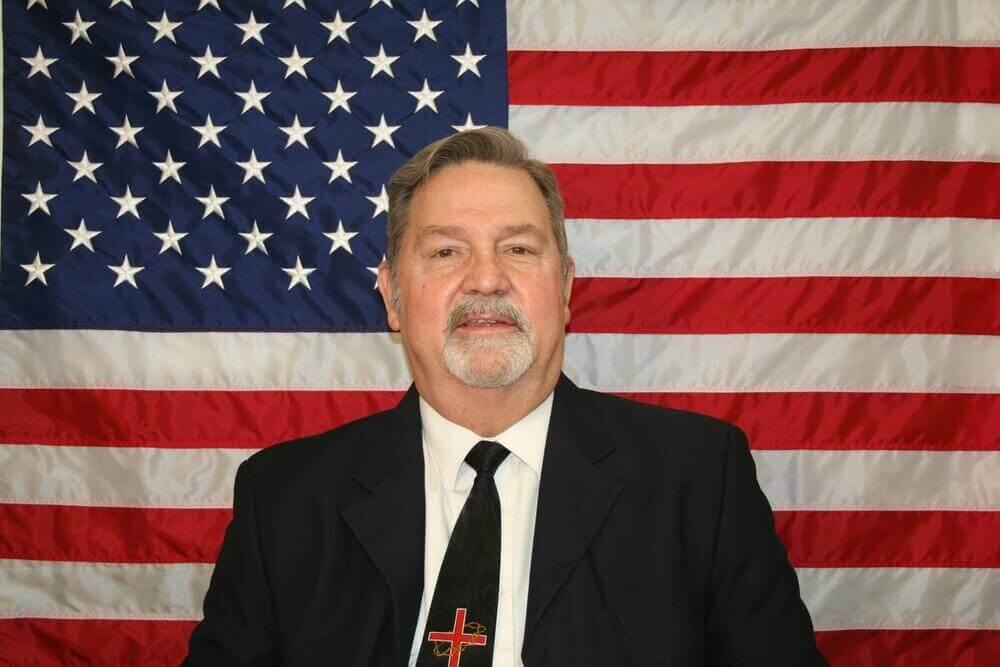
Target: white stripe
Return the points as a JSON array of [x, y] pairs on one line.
[[901, 598], [776, 247], [879, 480], [792, 480], [838, 598], [815, 131], [119, 476], [608, 362], [784, 362], [64, 590], [671, 25]]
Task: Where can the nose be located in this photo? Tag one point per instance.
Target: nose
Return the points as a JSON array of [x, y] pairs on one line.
[[485, 274]]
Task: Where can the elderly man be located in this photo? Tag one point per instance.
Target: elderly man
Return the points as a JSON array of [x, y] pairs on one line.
[[499, 514]]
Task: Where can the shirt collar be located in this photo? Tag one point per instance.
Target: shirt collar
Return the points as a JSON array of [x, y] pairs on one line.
[[449, 443]]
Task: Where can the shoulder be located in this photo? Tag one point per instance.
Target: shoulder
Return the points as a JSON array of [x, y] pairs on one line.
[[653, 441], [324, 458], [627, 415]]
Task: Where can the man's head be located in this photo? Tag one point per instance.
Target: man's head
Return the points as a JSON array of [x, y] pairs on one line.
[[477, 274]]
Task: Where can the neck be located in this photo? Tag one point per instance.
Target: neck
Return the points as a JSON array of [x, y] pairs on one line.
[[487, 412]]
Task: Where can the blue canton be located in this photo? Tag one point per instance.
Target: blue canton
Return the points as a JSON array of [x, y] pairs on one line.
[[214, 164]]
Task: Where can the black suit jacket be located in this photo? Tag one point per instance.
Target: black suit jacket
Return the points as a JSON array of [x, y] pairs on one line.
[[653, 546]]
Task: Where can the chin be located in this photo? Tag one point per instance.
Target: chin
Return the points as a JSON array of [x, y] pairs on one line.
[[488, 363]]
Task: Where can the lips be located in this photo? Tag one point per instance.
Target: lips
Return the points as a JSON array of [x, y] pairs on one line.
[[485, 320]]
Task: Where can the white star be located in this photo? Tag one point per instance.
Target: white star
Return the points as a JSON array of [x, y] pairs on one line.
[[381, 201], [32, 3], [208, 132], [299, 275], [459, 3], [121, 2], [253, 168], [295, 63], [165, 97], [424, 27], [296, 133], [40, 132], [122, 62], [213, 273], [204, 3], [425, 97], [387, 3], [170, 240], [39, 200], [79, 28], [164, 28], [469, 125], [252, 98], [125, 272], [208, 63], [382, 132], [381, 62], [126, 133], [374, 269], [469, 61], [339, 168], [36, 271], [39, 63], [82, 236], [251, 29], [169, 169], [128, 203], [340, 238], [83, 99], [297, 204], [212, 203], [84, 168], [255, 239], [339, 98], [289, 3], [338, 28]]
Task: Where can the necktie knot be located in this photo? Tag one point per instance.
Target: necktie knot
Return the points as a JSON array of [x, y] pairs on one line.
[[486, 457]]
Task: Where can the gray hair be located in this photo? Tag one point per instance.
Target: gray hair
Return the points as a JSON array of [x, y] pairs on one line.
[[491, 145]]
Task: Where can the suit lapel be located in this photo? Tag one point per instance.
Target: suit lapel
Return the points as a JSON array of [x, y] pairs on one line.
[[574, 497], [389, 521]]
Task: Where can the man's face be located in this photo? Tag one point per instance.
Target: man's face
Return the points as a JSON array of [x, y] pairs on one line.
[[479, 280]]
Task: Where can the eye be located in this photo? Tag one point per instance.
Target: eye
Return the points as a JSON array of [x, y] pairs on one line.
[[444, 252], [520, 250]]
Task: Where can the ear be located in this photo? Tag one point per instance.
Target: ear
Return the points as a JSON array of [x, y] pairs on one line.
[[385, 287], [568, 286]]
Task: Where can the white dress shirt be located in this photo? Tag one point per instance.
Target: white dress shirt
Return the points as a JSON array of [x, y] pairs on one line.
[[447, 482]]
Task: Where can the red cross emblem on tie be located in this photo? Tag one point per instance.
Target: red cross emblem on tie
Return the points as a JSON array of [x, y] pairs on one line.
[[457, 638]]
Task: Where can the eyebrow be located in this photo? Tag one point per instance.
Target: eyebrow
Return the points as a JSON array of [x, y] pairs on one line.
[[457, 231]]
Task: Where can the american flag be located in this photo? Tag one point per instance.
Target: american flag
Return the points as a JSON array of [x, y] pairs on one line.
[[783, 214]]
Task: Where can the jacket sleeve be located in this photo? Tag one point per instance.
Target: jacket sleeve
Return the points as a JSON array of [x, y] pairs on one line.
[[238, 626], [756, 616]]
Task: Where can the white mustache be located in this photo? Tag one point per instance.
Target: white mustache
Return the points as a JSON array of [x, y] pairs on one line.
[[495, 305]]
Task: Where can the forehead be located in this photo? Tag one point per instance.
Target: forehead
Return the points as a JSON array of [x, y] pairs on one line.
[[477, 194]]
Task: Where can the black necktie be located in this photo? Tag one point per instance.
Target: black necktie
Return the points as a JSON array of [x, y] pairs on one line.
[[461, 624]]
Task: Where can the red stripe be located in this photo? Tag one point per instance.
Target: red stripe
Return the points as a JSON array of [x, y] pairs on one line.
[[178, 418], [786, 305], [111, 534], [890, 539], [781, 190], [603, 78], [813, 538], [42, 641], [34, 641], [912, 648], [773, 420], [851, 420]]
